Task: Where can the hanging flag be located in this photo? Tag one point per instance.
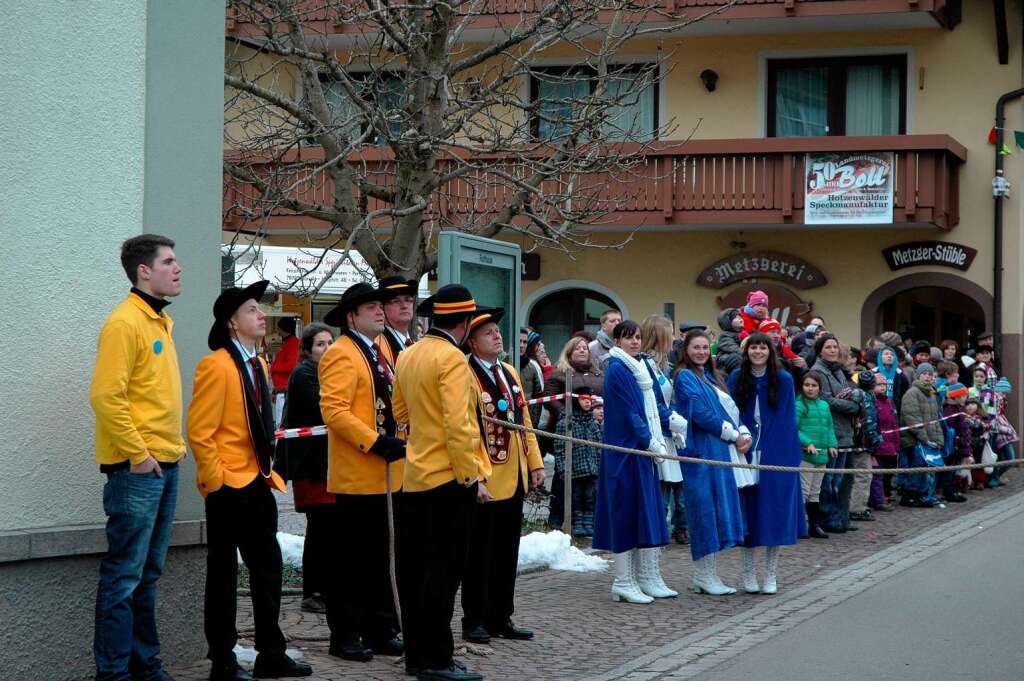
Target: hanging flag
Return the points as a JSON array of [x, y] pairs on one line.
[[1018, 137], [992, 136], [1005, 151]]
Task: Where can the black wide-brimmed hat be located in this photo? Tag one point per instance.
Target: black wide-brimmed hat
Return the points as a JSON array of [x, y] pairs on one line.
[[353, 297], [226, 305], [395, 286], [492, 315], [451, 299]]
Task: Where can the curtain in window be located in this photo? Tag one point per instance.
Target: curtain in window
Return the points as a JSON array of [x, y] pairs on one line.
[[801, 101], [633, 116], [558, 94], [872, 100], [343, 111]]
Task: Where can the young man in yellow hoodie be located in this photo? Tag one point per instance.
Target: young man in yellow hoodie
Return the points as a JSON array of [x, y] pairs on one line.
[[136, 395]]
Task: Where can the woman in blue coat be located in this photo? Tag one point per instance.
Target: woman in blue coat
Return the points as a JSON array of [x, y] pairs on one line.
[[629, 517], [773, 508], [713, 513]]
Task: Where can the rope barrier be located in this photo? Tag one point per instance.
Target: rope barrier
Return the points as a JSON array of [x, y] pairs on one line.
[[554, 398], [750, 466]]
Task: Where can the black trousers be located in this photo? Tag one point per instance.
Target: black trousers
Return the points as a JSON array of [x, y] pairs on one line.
[[242, 520], [489, 584], [435, 529], [316, 550], [358, 591]]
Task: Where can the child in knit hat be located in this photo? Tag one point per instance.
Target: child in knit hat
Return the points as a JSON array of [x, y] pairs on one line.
[[958, 442], [868, 436], [754, 312], [887, 454]]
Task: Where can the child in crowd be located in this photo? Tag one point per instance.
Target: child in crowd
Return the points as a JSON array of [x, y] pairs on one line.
[[947, 373], [888, 451], [958, 437], [586, 460], [869, 437], [979, 427], [754, 312], [727, 350], [818, 440]]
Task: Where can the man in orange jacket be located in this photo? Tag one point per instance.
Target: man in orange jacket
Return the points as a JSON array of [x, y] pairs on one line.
[[231, 431], [443, 468], [356, 381], [488, 588], [399, 312]]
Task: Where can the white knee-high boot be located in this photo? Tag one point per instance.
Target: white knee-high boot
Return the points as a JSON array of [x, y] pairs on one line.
[[625, 588], [649, 575], [705, 578], [771, 564], [750, 584]]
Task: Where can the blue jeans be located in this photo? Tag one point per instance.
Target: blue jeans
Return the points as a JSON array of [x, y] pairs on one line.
[[672, 494], [829, 503], [140, 510]]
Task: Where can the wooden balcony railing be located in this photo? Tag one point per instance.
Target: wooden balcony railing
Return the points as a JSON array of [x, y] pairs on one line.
[[323, 16], [699, 183]]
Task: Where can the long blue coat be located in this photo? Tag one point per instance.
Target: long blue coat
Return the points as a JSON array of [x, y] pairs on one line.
[[773, 508], [713, 514], [629, 513]]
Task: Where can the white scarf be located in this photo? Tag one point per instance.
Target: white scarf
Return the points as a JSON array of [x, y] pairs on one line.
[[646, 384]]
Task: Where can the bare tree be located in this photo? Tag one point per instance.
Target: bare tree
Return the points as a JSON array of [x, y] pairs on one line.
[[383, 124]]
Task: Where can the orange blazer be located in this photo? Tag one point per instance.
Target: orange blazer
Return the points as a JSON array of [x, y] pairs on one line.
[[432, 396], [347, 403], [218, 427], [524, 453]]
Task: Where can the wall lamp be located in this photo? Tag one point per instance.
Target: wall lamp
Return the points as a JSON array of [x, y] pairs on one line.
[[710, 79]]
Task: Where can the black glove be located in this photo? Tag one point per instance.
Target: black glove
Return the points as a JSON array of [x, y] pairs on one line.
[[389, 448]]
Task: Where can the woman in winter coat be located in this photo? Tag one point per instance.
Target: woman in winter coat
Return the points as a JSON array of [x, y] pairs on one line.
[[921, 412], [657, 334], [576, 360], [773, 510], [531, 372], [713, 514], [629, 517], [305, 462], [838, 392], [727, 356], [896, 383]]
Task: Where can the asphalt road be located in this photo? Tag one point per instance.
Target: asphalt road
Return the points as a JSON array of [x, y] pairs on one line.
[[958, 615]]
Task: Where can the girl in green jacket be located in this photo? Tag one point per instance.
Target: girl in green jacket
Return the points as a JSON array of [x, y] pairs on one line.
[[818, 440]]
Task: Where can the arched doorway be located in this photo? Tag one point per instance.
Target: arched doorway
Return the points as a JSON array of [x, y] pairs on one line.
[[557, 315], [934, 305]]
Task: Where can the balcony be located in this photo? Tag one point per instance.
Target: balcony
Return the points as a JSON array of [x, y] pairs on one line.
[[716, 17], [699, 184]]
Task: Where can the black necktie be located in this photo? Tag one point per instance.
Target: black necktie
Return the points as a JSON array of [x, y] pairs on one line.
[[254, 362]]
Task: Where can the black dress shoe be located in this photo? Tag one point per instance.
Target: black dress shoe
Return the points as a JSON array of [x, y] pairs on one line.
[[477, 634], [392, 647], [510, 631], [279, 666], [353, 651], [229, 672], [453, 672]]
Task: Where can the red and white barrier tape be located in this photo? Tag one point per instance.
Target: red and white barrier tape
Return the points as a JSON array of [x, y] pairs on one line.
[[555, 398], [307, 431], [922, 425]]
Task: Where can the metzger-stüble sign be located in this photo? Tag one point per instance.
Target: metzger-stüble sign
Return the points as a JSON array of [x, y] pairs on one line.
[[941, 253]]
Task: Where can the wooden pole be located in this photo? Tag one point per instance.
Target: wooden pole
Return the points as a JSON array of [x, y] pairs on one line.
[[567, 519]]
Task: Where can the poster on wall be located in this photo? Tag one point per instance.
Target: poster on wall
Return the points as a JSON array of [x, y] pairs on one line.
[[845, 188]]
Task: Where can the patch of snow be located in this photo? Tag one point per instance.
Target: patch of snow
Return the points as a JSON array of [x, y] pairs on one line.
[[555, 550], [291, 548], [247, 656]]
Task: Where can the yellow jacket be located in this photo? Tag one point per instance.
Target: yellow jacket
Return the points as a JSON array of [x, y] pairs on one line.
[[348, 405], [136, 387], [524, 452], [218, 427], [432, 395]]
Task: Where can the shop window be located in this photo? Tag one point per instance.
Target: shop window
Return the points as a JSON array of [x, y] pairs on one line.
[[837, 96], [557, 316], [558, 91], [383, 90]]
